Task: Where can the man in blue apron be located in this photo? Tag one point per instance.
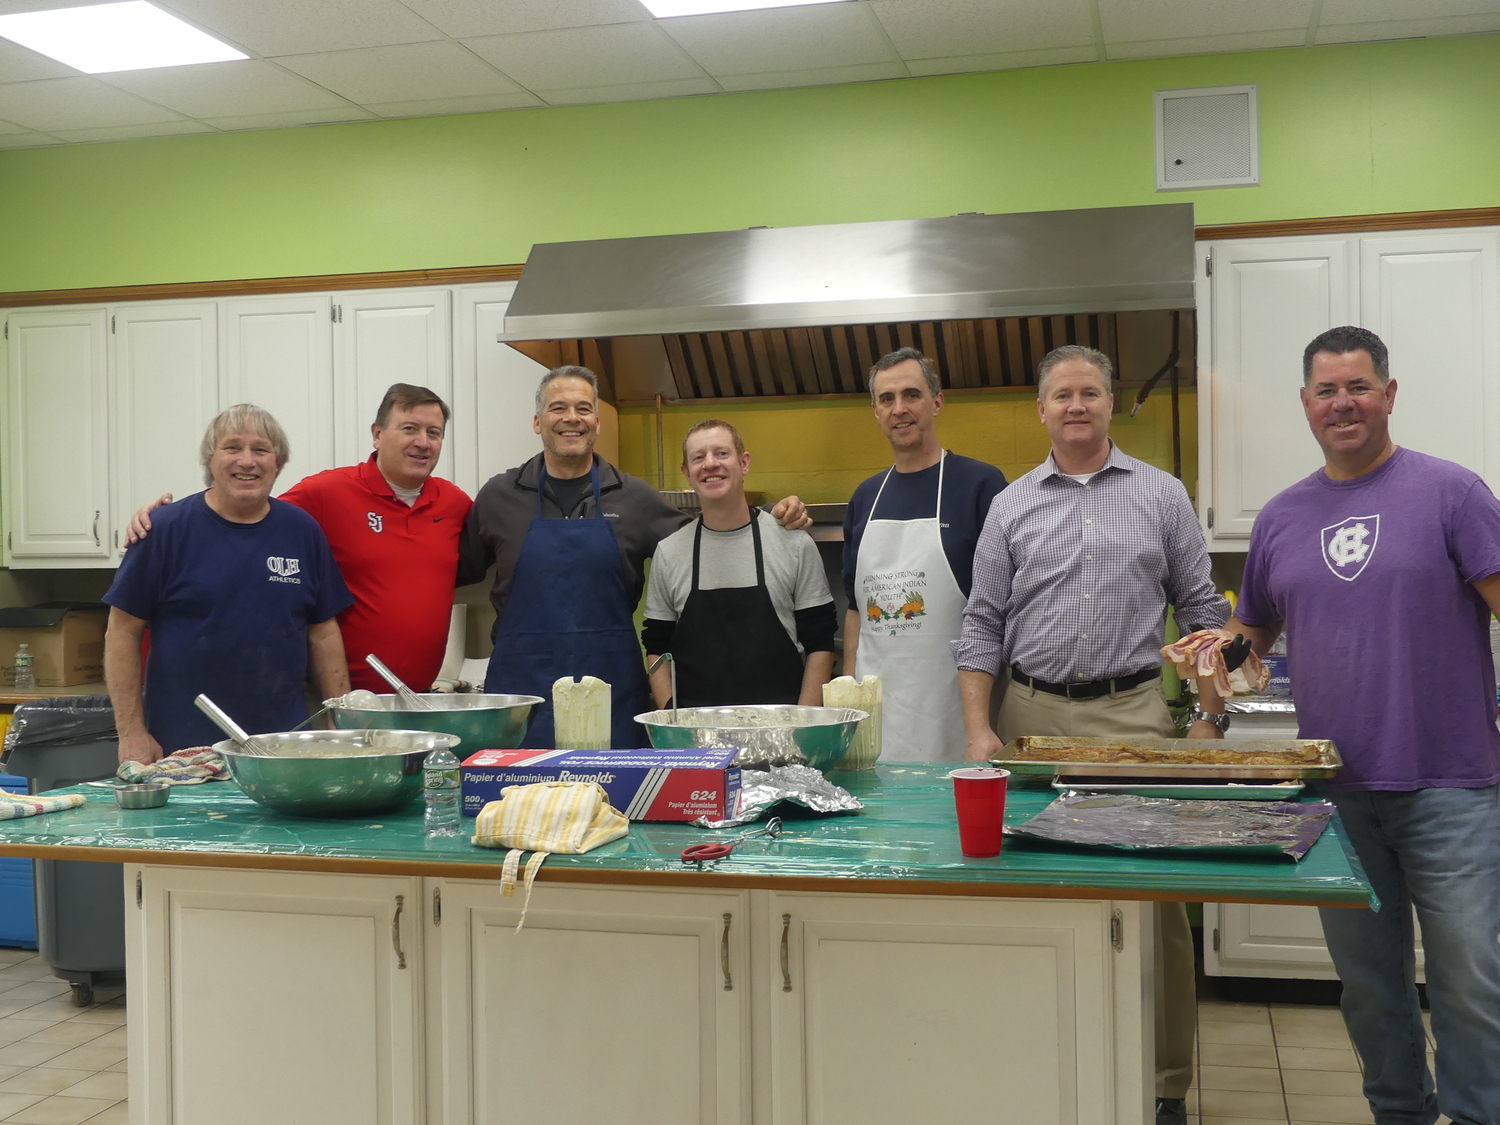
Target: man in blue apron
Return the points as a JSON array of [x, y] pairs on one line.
[[909, 536], [741, 604], [568, 535]]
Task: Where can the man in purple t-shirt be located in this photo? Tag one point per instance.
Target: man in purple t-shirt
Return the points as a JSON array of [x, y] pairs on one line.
[[1383, 567]]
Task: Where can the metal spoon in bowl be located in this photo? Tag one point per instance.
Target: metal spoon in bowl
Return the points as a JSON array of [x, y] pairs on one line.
[[244, 741], [411, 700]]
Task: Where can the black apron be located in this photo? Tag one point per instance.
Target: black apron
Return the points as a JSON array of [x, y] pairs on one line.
[[730, 646]]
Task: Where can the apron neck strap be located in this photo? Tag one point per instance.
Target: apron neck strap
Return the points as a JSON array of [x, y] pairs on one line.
[[942, 457], [760, 562], [541, 486]]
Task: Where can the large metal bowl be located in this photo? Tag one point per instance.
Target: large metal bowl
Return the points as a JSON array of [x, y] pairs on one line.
[[381, 770], [484, 722], [768, 734]]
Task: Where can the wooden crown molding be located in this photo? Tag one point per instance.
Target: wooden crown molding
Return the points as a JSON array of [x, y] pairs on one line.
[[244, 287], [1352, 224]]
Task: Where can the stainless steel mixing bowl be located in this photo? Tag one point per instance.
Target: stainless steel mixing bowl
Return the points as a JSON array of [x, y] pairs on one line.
[[767, 734], [374, 771], [484, 722]]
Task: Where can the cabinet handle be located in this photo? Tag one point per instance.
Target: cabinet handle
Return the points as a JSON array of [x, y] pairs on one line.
[[437, 906], [786, 956], [724, 954], [396, 932], [96, 529]]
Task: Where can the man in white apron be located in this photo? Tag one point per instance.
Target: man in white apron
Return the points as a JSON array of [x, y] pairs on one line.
[[909, 537]]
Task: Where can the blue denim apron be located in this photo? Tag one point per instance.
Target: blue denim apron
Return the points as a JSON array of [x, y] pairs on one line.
[[569, 613]]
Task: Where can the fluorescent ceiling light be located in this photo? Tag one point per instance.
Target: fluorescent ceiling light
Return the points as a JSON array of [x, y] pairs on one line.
[[664, 8], [104, 38]]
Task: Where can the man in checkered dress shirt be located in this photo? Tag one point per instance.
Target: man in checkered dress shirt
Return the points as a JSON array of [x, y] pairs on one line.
[[1073, 573]]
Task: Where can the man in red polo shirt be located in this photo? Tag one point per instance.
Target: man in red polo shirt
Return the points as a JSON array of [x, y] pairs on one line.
[[394, 530]]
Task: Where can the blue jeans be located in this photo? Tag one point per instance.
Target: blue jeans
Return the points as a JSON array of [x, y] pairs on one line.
[[1437, 850]]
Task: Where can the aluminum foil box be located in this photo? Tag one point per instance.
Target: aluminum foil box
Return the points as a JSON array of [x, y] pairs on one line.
[[643, 784]]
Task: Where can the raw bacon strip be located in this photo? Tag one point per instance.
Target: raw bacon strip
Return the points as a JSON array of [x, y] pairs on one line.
[[1201, 656]]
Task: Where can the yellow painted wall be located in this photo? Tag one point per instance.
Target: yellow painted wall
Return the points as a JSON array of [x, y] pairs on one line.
[[820, 450]]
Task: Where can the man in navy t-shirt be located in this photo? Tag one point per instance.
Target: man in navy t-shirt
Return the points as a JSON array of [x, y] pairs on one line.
[[909, 536], [240, 593]]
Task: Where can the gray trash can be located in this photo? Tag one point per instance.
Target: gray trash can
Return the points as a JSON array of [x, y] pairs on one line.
[[80, 907]]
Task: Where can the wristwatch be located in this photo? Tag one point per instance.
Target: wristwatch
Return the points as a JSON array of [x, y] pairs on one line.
[[1220, 721]]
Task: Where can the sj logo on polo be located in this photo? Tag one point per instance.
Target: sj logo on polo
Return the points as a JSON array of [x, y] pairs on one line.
[[284, 570], [1349, 546], [377, 522]]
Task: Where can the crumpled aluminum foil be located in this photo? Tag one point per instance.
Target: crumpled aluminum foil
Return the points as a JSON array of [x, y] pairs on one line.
[[760, 790]]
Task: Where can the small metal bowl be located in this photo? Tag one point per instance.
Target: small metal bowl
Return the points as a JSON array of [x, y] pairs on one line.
[[150, 795]]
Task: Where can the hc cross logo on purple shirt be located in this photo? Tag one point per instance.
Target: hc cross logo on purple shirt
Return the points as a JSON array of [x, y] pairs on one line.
[[1349, 545]]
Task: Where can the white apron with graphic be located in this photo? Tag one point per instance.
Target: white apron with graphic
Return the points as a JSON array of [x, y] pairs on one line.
[[910, 608]]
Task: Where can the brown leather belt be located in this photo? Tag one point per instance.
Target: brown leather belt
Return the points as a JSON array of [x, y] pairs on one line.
[[1091, 689]]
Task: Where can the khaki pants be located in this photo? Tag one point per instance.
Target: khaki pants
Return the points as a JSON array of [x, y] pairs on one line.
[[1140, 712]]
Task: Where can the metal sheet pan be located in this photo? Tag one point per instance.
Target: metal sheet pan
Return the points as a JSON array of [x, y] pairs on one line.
[[1187, 789], [1170, 757]]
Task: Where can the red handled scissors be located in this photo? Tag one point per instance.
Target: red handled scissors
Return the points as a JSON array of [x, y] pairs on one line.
[[711, 853]]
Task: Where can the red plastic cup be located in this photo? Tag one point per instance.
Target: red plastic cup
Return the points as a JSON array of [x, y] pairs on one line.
[[979, 794]]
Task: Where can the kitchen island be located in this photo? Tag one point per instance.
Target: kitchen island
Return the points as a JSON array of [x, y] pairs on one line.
[[857, 969]]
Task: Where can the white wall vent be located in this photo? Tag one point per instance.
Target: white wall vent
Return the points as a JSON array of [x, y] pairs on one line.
[[1207, 138]]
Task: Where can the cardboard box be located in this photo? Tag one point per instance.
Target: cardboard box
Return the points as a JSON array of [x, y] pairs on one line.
[[679, 785], [66, 639]]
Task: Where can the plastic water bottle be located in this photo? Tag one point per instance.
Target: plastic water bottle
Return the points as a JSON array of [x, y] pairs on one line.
[[440, 788], [25, 676]]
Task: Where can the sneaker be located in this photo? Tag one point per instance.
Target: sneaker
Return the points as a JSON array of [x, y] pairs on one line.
[[1171, 1111]]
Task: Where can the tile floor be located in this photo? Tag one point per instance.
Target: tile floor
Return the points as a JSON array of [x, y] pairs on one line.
[[1257, 1063]]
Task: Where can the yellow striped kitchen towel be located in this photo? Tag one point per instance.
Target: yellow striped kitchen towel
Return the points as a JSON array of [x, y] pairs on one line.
[[566, 817]]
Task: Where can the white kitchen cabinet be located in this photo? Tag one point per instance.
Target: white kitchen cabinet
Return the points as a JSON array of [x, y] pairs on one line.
[[494, 392], [627, 1005], [888, 1010], [299, 994], [1269, 298], [277, 352], [1432, 296], [164, 391], [382, 337], [57, 427], [1258, 940]]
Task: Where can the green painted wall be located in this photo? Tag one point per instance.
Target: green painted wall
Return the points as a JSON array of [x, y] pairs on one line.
[[1407, 125]]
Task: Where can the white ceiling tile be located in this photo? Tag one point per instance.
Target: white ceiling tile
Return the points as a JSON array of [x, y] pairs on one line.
[[17, 64], [135, 132], [578, 58], [226, 89], [1003, 60], [1407, 29], [346, 112], [27, 140], [1380, 11], [12, 127], [410, 72], [949, 28], [632, 92], [1130, 21], [463, 18], [781, 39], [826, 76], [75, 103], [1207, 44], [439, 106], [301, 27]]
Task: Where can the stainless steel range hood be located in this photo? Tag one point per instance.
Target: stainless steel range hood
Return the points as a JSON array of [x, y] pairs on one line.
[[1108, 259]]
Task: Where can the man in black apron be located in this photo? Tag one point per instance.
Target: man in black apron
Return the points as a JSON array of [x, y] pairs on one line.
[[568, 535], [734, 598]]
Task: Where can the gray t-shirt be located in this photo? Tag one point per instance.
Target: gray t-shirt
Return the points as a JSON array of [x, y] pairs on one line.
[[794, 572]]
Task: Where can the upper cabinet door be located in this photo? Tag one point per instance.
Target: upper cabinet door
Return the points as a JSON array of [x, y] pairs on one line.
[[1270, 298], [277, 352], [495, 390], [166, 392], [58, 435], [380, 338], [1433, 299]]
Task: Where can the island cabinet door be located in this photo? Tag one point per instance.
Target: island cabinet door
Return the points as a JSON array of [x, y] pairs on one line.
[[261, 997], [893, 1009], [619, 1005]]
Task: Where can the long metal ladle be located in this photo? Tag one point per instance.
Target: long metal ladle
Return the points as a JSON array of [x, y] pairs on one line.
[[411, 699], [233, 729]]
